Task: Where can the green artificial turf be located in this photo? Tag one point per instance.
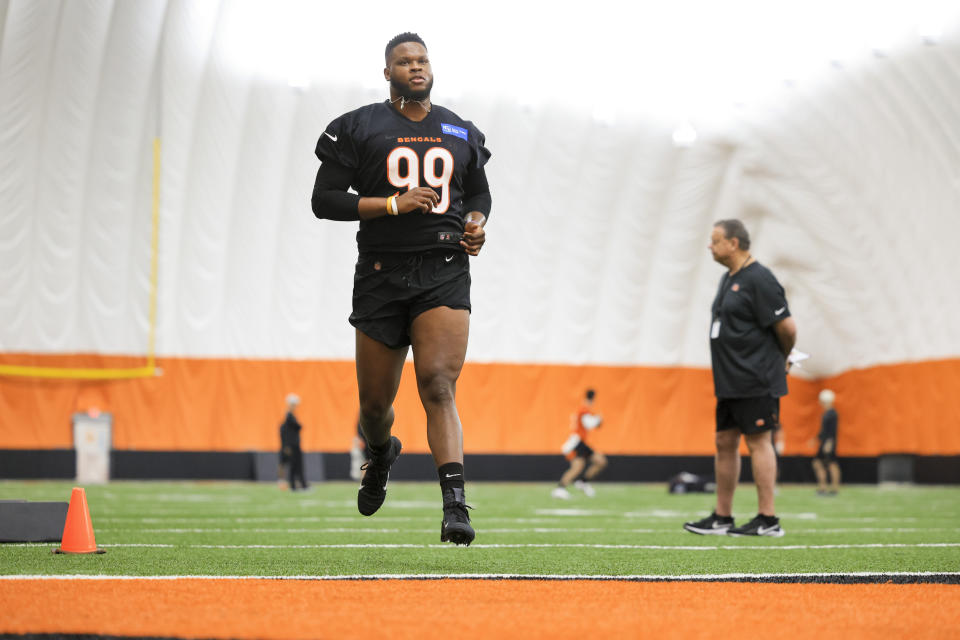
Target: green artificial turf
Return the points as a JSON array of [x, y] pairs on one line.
[[233, 528]]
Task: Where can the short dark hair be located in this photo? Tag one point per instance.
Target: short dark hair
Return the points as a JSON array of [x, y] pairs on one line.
[[733, 228], [406, 36], [590, 394]]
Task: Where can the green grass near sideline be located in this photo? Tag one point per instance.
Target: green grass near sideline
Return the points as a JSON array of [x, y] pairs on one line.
[[233, 528]]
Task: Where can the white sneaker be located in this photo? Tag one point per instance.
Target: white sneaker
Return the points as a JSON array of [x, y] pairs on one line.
[[560, 492], [588, 490]]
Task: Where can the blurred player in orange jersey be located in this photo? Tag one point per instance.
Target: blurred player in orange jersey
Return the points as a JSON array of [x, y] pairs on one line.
[[579, 453]]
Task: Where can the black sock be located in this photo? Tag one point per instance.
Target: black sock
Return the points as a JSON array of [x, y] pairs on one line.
[[451, 481], [769, 520], [379, 449]]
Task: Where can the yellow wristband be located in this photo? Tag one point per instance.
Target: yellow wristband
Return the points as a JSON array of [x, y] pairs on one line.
[[392, 206], [389, 208]]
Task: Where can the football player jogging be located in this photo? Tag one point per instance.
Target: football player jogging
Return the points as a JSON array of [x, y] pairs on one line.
[[422, 201], [579, 453]]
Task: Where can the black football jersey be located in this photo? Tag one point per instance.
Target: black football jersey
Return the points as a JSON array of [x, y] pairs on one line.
[[390, 154]]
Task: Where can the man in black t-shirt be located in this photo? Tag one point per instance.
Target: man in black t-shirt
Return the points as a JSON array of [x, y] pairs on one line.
[[826, 461], [751, 336], [422, 200], [290, 451]]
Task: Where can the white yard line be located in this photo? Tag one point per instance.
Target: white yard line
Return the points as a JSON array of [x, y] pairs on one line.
[[639, 547], [176, 516], [363, 530], [524, 530]]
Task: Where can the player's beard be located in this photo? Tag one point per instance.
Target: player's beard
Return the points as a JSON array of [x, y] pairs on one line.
[[407, 93]]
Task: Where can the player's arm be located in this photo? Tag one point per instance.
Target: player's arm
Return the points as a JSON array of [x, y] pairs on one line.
[[477, 202], [786, 332], [591, 421], [771, 310], [331, 201], [420, 199]]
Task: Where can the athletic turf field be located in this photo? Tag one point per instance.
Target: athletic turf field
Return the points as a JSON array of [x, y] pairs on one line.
[[247, 529]]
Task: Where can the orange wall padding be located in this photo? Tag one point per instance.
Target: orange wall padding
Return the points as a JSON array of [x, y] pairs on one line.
[[236, 405]]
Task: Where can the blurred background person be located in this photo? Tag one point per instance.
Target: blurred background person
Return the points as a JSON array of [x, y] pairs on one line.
[[290, 443], [358, 453], [825, 463], [579, 453], [283, 463]]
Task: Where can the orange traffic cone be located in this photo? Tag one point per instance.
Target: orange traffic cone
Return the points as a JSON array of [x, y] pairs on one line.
[[78, 529]]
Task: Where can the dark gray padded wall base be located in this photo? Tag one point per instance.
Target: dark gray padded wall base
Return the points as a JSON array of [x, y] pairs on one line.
[[266, 463], [22, 521], [896, 468]]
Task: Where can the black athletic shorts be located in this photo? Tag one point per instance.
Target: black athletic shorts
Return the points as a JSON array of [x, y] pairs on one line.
[[827, 457], [749, 415], [391, 289], [583, 450]]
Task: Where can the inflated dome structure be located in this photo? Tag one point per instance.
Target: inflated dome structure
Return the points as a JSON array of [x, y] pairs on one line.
[[160, 260]]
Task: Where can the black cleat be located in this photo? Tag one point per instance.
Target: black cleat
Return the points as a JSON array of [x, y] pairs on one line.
[[712, 525], [373, 485], [456, 521], [759, 526]]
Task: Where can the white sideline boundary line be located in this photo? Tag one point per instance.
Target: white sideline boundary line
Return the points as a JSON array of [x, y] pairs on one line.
[[373, 530], [545, 545], [505, 576], [362, 530]]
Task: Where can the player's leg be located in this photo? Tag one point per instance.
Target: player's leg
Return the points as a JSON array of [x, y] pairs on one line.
[[763, 461], [292, 471], [598, 462], [301, 469], [834, 476], [282, 471], [727, 469], [756, 417], [821, 473], [726, 466], [560, 491], [379, 368], [439, 339], [577, 465], [295, 472]]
